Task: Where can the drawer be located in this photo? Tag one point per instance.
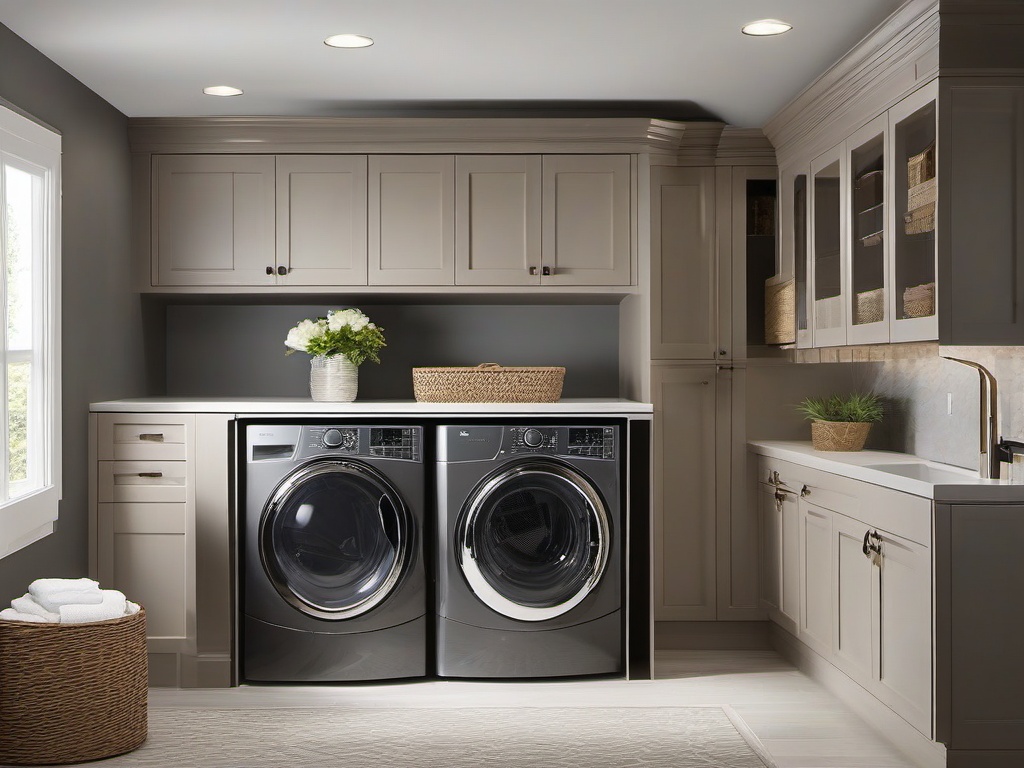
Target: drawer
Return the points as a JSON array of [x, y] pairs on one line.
[[142, 481], [141, 437]]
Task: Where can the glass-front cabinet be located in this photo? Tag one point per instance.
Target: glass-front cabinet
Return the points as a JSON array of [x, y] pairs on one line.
[[828, 249], [794, 209], [912, 266], [867, 318]]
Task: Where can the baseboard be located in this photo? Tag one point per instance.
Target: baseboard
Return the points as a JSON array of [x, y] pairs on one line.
[[712, 636], [902, 735], [208, 670]]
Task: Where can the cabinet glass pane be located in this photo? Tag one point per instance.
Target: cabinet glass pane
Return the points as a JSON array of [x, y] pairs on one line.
[[914, 242], [800, 248], [761, 201], [828, 303], [867, 251]]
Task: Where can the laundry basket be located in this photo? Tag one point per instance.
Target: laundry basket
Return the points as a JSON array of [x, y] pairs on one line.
[[72, 692]]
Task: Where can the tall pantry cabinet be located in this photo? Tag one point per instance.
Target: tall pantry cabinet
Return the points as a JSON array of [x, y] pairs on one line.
[[704, 539]]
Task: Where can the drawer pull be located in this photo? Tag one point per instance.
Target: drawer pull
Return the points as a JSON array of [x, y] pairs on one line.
[[152, 437], [805, 492], [151, 474]]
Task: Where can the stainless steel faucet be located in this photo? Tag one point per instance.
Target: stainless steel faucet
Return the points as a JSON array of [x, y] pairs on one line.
[[990, 456]]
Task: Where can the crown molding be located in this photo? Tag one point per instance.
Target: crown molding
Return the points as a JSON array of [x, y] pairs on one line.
[[256, 135], [744, 146]]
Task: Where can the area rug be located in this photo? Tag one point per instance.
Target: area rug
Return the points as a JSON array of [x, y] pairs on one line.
[[580, 737]]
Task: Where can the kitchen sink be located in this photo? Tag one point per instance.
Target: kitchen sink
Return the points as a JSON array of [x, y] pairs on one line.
[[925, 472]]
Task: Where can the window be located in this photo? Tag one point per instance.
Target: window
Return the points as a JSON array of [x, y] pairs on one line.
[[30, 311]]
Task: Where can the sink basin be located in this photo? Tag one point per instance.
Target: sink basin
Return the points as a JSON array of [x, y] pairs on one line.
[[925, 472]]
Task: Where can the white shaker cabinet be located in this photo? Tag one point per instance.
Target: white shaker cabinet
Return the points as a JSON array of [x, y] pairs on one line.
[[815, 575], [321, 220], [498, 220], [778, 518], [411, 219], [213, 220]]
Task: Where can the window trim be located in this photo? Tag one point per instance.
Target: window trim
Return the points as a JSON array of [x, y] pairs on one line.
[[31, 517]]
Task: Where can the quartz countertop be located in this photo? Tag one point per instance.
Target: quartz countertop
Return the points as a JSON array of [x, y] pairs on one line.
[[303, 405], [899, 471]]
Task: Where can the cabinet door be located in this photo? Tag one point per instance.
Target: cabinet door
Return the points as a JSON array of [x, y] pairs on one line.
[[321, 220], [913, 186], [816, 577], [904, 621], [868, 237], [213, 220], [780, 575], [684, 305], [497, 220], [587, 220], [794, 208], [854, 580], [684, 495], [411, 220], [828, 249], [753, 235]]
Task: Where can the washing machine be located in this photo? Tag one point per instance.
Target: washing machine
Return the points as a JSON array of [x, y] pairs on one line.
[[530, 534], [332, 573]]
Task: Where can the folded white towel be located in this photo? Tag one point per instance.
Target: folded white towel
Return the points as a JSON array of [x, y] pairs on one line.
[[130, 608], [51, 594], [44, 587], [9, 614], [111, 607], [27, 604]]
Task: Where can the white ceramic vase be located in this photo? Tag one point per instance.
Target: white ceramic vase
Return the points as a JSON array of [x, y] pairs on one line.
[[333, 379]]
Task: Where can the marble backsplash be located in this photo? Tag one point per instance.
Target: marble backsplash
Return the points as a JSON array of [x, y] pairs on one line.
[[919, 419]]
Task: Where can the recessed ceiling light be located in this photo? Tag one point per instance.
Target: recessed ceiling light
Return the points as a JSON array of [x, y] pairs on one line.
[[222, 90], [765, 27], [349, 41]]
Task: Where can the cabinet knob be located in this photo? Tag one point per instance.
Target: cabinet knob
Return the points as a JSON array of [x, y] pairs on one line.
[[722, 352], [270, 270], [547, 271], [533, 270], [282, 271], [805, 492]]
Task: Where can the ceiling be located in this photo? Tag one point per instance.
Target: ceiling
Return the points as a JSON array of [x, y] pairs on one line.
[[678, 59]]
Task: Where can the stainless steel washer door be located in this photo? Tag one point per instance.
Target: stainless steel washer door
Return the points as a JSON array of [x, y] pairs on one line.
[[533, 540], [334, 538]]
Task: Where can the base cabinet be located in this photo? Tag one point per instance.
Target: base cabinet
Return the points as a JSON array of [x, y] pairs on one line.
[[159, 528]]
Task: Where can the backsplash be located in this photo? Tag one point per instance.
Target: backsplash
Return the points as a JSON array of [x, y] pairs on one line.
[[917, 419]]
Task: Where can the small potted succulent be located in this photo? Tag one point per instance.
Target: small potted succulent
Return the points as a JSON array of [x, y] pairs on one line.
[[841, 423]]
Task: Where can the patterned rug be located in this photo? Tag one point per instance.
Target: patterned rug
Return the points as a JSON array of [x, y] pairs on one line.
[[581, 737]]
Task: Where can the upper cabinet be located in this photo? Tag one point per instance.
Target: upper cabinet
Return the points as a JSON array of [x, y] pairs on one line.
[[343, 220], [213, 220]]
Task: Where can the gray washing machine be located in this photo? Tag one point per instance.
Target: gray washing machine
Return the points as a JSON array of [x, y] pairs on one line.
[[530, 531], [332, 575]]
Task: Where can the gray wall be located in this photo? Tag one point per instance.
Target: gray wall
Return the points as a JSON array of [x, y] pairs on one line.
[[239, 350], [102, 337]]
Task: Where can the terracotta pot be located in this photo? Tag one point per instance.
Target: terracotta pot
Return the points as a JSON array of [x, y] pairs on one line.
[[839, 435]]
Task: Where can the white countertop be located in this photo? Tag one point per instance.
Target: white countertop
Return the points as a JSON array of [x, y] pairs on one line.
[[899, 471], [303, 405]]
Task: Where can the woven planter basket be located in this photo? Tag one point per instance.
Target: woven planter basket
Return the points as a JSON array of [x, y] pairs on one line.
[[72, 692], [487, 383], [839, 435]]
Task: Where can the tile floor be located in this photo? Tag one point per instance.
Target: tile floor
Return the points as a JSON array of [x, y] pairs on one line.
[[800, 723]]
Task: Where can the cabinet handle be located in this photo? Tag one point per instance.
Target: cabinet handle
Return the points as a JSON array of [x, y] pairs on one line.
[[270, 270], [151, 474], [872, 546], [533, 270], [805, 492], [282, 271], [722, 352], [547, 271], [152, 437]]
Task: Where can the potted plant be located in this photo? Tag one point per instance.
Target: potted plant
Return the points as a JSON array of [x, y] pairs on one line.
[[339, 343], [841, 423]]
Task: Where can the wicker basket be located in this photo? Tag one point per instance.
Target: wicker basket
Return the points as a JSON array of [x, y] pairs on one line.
[[487, 383], [921, 167], [779, 312], [72, 692], [920, 220], [922, 194], [839, 435], [869, 307], [919, 301]]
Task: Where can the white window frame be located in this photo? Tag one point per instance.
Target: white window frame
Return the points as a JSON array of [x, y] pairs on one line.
[[32, 516]]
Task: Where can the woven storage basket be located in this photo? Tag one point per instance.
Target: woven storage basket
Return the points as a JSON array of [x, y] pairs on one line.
[[919, 301], [839, 435], [72, 692], [920, 220], [921, 167], [487, 383], [922, 194], [779, 312], [869, 307]]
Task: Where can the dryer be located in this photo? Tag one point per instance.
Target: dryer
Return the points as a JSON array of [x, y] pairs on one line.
[[332, 575], [530, 530]]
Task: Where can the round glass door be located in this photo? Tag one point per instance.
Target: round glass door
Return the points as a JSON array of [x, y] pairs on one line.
[[333, 539], [533, 540]]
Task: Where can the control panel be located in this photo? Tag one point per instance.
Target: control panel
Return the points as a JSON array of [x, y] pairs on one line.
[[593, 442], [383, 442]]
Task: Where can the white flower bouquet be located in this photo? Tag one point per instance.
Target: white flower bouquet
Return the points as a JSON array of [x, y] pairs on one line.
[[346, 332]]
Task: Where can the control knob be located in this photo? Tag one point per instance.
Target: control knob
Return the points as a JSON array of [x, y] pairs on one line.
[[332, 438], [533, 438]]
